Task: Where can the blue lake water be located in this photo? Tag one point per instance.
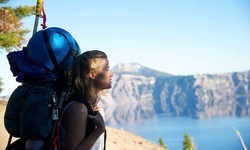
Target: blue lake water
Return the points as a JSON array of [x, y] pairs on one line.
[[208, 134]]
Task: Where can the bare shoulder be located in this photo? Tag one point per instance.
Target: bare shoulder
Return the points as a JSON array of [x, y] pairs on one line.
[[76, 107], [76, 112]]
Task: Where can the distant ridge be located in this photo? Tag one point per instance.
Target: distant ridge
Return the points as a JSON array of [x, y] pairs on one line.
[[198, 96], [137, 69]]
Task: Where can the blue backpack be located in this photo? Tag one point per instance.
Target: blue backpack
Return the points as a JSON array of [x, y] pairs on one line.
[[32, 111]]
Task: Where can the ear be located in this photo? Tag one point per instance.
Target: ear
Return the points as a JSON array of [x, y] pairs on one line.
[[92, 75]]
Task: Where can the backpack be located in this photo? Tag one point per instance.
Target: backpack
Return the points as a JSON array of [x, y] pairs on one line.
[[31, 112], [33, 108]]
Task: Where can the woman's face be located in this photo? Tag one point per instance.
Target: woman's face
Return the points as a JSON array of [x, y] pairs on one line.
[[103, 76]]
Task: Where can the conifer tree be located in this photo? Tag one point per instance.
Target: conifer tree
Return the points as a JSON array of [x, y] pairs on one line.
[[162, 144], [12, 34], [188, 143]]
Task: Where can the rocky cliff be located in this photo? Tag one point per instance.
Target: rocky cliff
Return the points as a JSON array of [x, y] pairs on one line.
[[136, 95]]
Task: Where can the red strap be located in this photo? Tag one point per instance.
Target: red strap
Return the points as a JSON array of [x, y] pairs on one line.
[[44, 17], [56, 141]]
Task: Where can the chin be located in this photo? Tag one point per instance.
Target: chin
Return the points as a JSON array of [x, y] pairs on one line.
[[109, 86]]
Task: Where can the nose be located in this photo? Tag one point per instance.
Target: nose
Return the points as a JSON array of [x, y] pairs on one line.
[[111, 74]]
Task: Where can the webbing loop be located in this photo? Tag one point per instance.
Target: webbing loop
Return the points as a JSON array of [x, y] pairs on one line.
[[44, 17], [56, 141]]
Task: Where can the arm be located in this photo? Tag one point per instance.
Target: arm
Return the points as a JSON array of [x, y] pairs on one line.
[[75, 123]]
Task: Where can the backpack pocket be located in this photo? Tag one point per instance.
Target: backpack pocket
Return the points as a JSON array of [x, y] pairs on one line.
[[36, 120], [13, 109]]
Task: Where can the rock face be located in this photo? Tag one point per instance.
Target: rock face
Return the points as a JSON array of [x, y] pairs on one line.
[[135, 96]]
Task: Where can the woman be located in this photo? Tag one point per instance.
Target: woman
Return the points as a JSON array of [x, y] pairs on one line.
[[81, 122]]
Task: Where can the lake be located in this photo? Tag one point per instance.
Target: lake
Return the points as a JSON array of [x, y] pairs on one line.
[[208, 134]]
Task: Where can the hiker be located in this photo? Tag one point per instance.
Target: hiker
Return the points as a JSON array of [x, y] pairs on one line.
[[82, 125]]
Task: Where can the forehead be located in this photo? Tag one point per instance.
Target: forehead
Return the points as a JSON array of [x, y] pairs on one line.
[[102, 62]]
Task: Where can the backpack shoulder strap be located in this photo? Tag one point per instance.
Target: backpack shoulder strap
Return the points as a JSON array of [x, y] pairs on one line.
[[64, 109], [105, 139], [50, 51]]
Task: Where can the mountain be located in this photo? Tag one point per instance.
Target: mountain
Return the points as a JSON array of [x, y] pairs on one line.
[[136, 96], [137, 69]]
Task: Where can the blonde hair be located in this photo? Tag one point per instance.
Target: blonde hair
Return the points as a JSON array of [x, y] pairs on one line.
[[87, 61]]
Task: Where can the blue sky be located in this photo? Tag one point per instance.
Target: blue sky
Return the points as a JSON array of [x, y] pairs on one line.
[[182, 37]]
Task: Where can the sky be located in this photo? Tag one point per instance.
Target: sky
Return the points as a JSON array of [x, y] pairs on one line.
[[179, 37]]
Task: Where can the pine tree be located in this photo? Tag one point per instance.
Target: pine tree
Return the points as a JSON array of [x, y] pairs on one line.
[[188, 143], [162, 144], [12, 34]]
